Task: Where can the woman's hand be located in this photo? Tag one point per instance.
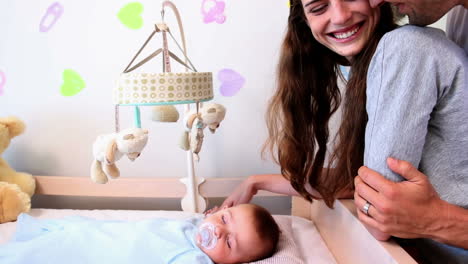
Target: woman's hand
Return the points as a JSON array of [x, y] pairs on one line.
[[242, 194]]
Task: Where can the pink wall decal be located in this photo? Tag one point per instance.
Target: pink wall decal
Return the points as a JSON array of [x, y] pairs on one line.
[[213, 11], [231, 82], [53, 13]]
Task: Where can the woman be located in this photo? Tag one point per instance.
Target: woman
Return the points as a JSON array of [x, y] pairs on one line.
[[402, 100]]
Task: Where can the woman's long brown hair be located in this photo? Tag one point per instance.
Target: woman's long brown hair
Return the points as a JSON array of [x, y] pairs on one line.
[[307, 96]]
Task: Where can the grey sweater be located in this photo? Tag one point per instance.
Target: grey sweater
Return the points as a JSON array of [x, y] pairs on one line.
[[417, 104]]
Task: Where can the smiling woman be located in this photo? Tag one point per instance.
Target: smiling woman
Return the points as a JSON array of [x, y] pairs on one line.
[[343, 33]]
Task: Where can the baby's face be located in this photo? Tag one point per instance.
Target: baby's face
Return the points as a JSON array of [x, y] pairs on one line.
[[238, 240]]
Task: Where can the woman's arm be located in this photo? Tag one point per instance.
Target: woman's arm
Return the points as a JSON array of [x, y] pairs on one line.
[[274, 183]]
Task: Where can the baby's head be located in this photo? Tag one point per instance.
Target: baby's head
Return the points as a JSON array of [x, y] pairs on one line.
[[243, 233]]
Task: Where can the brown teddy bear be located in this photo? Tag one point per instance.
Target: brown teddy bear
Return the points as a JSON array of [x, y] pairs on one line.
[[16, 188]]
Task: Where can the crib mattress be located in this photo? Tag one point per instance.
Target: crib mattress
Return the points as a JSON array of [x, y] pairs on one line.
[[300, 242]]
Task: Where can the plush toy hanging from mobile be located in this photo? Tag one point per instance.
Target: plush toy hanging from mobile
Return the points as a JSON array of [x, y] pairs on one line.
[[195, 121], [107, 149], [161, 90]]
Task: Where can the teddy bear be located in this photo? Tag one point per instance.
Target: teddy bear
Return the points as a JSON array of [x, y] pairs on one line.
[[109, 148], [16, 188]]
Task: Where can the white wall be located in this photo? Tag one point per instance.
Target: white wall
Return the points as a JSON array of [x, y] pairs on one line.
[[89, 38]]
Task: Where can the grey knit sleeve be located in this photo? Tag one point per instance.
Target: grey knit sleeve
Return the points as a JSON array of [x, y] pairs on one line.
[[406, 79]]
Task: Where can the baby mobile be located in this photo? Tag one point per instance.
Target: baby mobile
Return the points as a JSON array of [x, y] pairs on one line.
[[162, 91]]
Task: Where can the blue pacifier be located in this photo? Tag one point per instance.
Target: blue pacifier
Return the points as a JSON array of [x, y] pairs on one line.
[[207, 235]]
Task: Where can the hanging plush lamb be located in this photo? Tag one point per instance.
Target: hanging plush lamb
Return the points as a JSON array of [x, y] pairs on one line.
[[209, 115], [107, 149]]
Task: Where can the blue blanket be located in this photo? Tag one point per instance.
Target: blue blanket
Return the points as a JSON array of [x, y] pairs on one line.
[[83, 240]]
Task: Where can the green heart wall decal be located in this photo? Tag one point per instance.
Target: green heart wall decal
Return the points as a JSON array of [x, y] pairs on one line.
[[72, 83], [130, 15]]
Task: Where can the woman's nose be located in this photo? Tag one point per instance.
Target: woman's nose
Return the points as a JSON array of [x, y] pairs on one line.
[[340, 13]]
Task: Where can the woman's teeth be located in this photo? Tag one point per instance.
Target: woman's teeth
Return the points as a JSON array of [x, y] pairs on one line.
[[344, 35]]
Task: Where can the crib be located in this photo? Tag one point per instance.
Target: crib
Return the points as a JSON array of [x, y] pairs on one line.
[[312, 233]]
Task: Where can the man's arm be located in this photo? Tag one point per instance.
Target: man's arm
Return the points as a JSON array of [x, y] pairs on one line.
[[411, 208]]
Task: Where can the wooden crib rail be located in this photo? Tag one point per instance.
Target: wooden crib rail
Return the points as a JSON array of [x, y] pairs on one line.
[[134, 187]]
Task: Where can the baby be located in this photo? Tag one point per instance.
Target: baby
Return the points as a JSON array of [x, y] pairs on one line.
[[243, 233], [239, 234]]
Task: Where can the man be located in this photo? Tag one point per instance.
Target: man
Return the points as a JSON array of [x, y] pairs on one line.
[[425, 12], [412, 208]]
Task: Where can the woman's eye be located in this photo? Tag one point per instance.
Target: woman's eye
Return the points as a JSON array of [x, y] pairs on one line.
[[318, 9]]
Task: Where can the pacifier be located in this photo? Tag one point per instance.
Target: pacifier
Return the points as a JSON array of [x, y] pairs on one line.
[[207, 236]]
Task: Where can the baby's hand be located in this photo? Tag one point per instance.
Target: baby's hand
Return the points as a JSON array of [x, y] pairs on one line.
[[211, 211]]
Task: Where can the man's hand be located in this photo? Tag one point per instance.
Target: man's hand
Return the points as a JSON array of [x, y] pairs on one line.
[[407, 209]]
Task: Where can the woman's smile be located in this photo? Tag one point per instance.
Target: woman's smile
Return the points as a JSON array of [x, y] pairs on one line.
[[348, 34]]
